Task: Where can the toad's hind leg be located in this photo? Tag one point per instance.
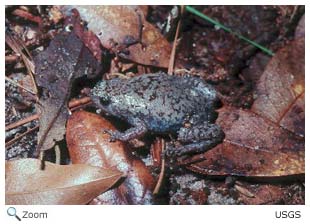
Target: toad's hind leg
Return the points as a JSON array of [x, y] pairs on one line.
[[197, 139]]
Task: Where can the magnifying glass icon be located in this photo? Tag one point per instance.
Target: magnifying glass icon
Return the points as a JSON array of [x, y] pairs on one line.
[[12, 212]]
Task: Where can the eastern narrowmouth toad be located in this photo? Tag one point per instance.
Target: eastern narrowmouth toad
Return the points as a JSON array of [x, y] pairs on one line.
[[163, 103]]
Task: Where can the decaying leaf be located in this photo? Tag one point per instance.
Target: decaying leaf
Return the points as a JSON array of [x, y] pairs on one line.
[[66, 59], [253, 146], [268, 140], [118, 27], [263, 193], [281, 89], [27, 184], [89, 145]]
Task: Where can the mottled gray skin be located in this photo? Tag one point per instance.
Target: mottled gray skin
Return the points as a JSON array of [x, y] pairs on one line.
[[163, 103]]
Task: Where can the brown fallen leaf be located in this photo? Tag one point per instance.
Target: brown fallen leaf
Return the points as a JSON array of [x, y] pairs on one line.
[[65, 59], [270, 194], [88, 144], [253, 146], [28, 16], [117, 26], [268, 140], [281, 88], [89, 39], [27, 184]]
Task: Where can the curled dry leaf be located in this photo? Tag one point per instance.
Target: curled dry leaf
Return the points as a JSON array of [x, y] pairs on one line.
[[88, 144], [281, 89], [66, 59], [27, 184], [253, 146], [120, 26]]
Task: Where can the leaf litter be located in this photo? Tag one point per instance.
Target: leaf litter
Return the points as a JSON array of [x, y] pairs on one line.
[[88, 145], [281, 90], [66, 59], [27, 184], [250, 142], [266, 141], [125, 31]]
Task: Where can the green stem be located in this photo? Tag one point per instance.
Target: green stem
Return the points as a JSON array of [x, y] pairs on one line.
[[207, 18]]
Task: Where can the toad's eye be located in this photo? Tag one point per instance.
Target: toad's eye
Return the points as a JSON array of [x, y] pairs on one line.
[[104, 101]]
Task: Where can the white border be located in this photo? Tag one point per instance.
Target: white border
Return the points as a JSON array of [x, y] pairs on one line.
[[153, 214]]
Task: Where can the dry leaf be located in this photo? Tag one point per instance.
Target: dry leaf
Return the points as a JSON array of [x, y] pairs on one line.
[[253, 146], [281, 89], [27, 184], [117, 26], [89, 145], [268, 140], [66, 59], [270, 194]]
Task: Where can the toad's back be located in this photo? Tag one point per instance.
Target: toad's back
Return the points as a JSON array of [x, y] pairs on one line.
[[162, 101]]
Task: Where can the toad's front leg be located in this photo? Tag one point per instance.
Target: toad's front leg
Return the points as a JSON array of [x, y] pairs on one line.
[[139, 129], [197, 139]]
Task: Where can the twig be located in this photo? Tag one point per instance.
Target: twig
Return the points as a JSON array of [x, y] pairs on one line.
[[244, 191], [172, 55], [27, 16], [162, 169], [22, 122], [79, 106], [57, 155], [17, 45], [77, 102], [294, 12], [19, 85], [11, 58], [120, 75], [41, 158], [9, 143], [72, 104]]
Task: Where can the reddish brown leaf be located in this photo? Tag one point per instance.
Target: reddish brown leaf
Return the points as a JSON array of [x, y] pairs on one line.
[[28, 16], [267, 142], [26, 183], [280, 91], [253, 146], [89, 39], [269, 194], [118, 25], [88, 144]]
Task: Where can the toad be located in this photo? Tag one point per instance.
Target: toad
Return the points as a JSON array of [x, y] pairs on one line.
[[164, 104]]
